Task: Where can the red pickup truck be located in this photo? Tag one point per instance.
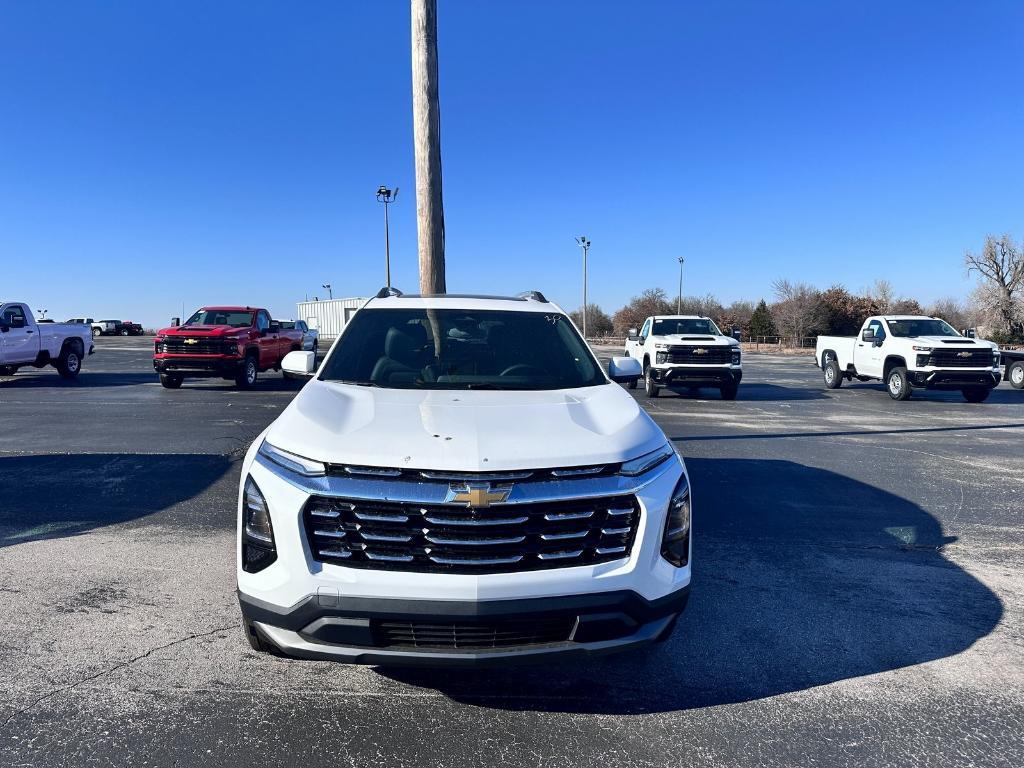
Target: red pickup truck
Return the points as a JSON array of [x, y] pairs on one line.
[[227, 342]]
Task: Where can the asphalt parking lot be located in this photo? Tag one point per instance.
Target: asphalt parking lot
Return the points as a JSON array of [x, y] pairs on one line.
[[857, 598]]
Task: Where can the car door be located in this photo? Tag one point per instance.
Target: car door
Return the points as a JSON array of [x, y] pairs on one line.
[[267, 341], [21, 343], [870, 356], [642, 348]]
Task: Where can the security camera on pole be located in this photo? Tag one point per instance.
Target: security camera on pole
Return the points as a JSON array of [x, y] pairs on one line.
[[585, 245], [386, 196]]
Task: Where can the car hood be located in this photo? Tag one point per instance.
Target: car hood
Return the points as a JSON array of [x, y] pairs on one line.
[[698, 339], [467, 431], [947, 341], [201, 330]]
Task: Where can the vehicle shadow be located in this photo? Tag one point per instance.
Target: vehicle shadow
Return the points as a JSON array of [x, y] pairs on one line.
[[750, 392], [56, 495], [49, 378], [1001, 395], [803, 577]]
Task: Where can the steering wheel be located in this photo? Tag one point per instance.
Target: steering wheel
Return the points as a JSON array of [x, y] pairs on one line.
[[523, 369]]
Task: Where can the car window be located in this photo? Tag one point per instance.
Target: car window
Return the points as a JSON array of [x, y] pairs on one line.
[[262, 321], [240, 319], [878, 328], [921, 327], [685, 326], [462, 349], [12, 312], [645, 331]]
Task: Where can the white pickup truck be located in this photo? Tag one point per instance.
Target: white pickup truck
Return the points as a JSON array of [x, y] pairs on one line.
[[686, 351], [24, 342], [911, 351]]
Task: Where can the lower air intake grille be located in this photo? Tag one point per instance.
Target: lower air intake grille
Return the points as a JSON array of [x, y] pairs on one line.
[[505, 634], [447, 538]]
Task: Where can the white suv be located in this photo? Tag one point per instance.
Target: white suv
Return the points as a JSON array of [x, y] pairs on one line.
[[460, 483]]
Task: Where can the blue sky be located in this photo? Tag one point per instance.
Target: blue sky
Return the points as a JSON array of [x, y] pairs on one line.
[[161, 154]]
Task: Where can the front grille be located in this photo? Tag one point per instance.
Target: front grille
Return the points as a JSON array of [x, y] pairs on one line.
[[447, 538], [695, 356], [955, 358], [475, 635], [196, 345]]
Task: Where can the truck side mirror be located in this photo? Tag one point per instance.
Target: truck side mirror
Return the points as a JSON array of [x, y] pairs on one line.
[[299, 365], [275, 327], [175, 322], [17, 322], [621, 369], [632, 335], [868, 335]]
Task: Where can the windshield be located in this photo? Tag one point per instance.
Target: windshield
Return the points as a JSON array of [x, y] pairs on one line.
[[685, 327], [461, 349], [286, 325], [221, 317], [924, 327]]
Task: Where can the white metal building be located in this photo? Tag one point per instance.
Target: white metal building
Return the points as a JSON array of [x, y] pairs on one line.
[[328, 316]]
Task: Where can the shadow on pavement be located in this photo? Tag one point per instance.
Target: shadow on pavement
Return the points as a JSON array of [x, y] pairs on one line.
[[51, 496], [845, 433], [803, 577], [753, 392]]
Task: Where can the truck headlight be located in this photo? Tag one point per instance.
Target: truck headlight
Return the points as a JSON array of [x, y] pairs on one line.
[[300, 465], [995, 358], [922, 361], [647, 462], [258, 549], [675, 540], [736, 356], [661, 357]]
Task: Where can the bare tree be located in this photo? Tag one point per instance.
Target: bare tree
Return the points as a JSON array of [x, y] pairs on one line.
[[798, 310], [883, 295], [1001, 266], [952, 311], [598, 322]]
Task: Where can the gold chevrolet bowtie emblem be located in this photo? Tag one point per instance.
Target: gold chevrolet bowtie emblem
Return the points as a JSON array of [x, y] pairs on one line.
[[478, 494], [191, 341], [700, 351], [964, 354]]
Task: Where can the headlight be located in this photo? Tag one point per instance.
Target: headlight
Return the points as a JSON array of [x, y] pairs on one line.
[[736, 356], [258, 549], [922, 361], [660, 357], [661, 346], [995, 357], [300, 465], [675, 540], [647, 462], [923, 349]]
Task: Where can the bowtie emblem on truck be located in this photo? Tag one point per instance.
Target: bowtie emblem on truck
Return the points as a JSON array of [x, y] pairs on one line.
[[700, 351], [964, 354], [191, 341], [477, 494]]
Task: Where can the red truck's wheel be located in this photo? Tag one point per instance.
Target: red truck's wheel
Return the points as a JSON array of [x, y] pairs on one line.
[[169, 381], [247, 375]]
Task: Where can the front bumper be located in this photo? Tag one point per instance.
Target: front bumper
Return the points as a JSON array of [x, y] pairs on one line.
[[335, 628], [955, 379], [697, 375], [198, 365]]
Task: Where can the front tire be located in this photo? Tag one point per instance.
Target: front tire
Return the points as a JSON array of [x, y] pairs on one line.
[[1015, 375], [69, 363], [652, 389], [96, 332], [729, 391], [898, 384], [124, 333], [170, 381], [833, 375], [247, 376], [976, 394]]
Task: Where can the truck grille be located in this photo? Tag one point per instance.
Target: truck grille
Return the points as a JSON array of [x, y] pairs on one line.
[[445, 538], [487, 634], [692, 356], [197, 345], [955, 358]]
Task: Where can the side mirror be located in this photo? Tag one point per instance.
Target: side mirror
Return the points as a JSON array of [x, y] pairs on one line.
[[275, 327], [624, 369], [17, 322], [868, 335], [175, 322], [299, 365], [632, 335]]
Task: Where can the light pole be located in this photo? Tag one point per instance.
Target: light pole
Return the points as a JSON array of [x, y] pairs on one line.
[[386, 196], [679, 298], [583, 243], [330, 294]]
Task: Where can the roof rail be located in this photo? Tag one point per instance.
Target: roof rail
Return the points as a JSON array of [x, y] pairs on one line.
[[387, 291], [532, 296]]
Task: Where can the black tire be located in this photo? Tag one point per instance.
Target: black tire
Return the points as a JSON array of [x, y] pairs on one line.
[[897, 383], [833, 374], [248, 373], [69, 363], [652, 389], [976, 394], [729, 391], [1015, 375], [7, 370], [96, 332], [632, 383], [124, 333], [257, 643], [170, 381]]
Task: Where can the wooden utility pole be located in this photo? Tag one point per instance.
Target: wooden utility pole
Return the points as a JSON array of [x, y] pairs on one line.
[[426, 122]]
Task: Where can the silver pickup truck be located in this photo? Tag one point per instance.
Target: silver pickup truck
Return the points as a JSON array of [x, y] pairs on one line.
[[24, 342]]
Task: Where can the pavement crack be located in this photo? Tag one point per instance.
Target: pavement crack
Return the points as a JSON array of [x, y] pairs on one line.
[[112, 670]]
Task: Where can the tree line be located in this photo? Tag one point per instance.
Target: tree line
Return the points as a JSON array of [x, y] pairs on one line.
[[798, 311]]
